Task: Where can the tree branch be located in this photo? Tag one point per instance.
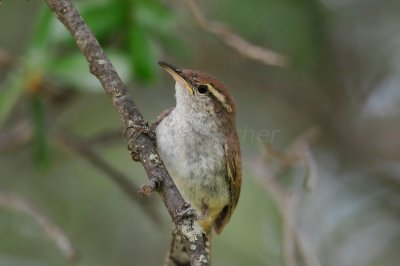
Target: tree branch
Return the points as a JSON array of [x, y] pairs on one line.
[[235, 41], [101, 67], [19, 203], [105, 137], [21, 134], [125, 184]]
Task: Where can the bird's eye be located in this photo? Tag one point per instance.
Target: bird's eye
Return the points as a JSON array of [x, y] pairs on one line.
[[202, 89]]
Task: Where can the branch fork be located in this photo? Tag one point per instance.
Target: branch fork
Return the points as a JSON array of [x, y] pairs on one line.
[[152, 185]]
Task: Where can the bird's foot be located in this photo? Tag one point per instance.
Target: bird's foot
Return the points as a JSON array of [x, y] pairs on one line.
[[184, 212]]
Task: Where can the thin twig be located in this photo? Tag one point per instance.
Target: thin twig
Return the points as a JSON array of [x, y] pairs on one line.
[[21, 134], [19, 203], [298, 152], [308, 251], [286, 201], [105, 137], [124, 183], [289, 246], [235, 41], [101, 67]]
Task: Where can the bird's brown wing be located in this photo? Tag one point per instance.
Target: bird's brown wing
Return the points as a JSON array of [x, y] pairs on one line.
[[233, 178]]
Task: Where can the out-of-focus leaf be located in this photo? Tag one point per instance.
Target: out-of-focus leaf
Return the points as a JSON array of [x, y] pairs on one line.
[[159, 20], [40, 141], [14, 86], [104, 18], [42, 31], [73, 70], [11, 92], [175, 45], [154, 17], [141, 55]]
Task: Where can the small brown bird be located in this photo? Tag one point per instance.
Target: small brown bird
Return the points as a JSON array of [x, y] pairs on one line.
[[198, 143]]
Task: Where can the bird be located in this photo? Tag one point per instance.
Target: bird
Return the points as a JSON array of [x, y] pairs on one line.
[[199, 145]]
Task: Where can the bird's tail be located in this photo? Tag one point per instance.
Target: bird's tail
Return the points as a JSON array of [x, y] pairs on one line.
[[177, 255]]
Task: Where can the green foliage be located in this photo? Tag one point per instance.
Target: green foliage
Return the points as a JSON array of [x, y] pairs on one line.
[[131, 32], [16, 83], [141, 55], [72, 71], [11, 92], [42, 34], [129, 29], [41, 141], [134, 28], [104, 17]]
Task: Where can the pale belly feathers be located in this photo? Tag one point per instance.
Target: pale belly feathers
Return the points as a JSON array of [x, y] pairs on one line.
[[194, 155]]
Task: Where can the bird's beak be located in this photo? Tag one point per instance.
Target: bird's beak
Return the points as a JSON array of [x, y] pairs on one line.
[[177, 74]]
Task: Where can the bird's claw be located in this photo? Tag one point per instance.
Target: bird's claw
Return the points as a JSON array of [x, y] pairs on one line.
[[186, 211], [144, 128]]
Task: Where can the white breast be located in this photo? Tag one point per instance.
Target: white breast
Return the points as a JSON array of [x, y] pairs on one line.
[[193, 152]]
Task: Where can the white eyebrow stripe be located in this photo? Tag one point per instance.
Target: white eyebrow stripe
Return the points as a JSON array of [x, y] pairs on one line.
[[220, 97]]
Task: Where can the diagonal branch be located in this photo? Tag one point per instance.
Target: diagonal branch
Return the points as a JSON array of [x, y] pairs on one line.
[[235, 41], [126, 185], [106, 137], [101, 67], [19, 203], [21, 134]]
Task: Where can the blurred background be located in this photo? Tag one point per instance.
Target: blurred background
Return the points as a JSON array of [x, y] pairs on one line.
[[319, 123]]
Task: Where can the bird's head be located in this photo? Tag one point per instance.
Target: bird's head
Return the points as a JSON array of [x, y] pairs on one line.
[[200, 92]]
